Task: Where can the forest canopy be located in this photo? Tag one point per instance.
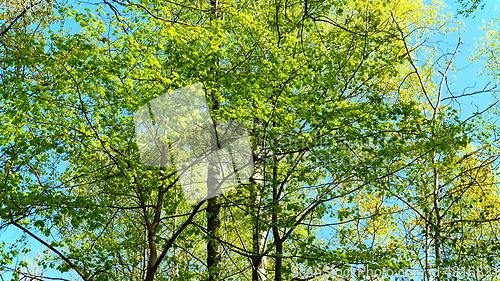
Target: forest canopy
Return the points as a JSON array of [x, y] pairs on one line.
[[347, 150]]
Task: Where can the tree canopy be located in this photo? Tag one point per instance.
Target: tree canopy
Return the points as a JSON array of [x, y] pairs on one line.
[[359, 159]]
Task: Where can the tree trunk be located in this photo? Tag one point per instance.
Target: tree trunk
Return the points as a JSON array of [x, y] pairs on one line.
[[213, 208], [437, 226], [213, 245], [151, 227], [278, 243], [259, 261]]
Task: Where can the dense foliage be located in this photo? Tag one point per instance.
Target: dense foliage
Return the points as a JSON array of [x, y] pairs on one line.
[[360, 162]]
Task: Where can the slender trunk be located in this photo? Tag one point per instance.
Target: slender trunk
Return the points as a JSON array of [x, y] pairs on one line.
[[258, 236], [278, 243], [213, 208], [213, 245], [213, 185], [152, 226], [259, 261], [427, 245], [255, 238], [153, 256], [437, 226], [279, 253]]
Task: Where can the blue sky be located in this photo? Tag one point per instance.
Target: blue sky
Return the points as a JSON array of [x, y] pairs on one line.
[[467, 77]]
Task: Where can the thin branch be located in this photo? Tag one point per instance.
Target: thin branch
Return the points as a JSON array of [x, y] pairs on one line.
[[172, 239], [18, 17], [33, 276], [410, 59], [443, 79], [61, 255], [158, 17]]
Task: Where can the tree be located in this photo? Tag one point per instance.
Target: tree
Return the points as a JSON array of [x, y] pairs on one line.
[[331, 95], [488, 47], [470, 6]]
